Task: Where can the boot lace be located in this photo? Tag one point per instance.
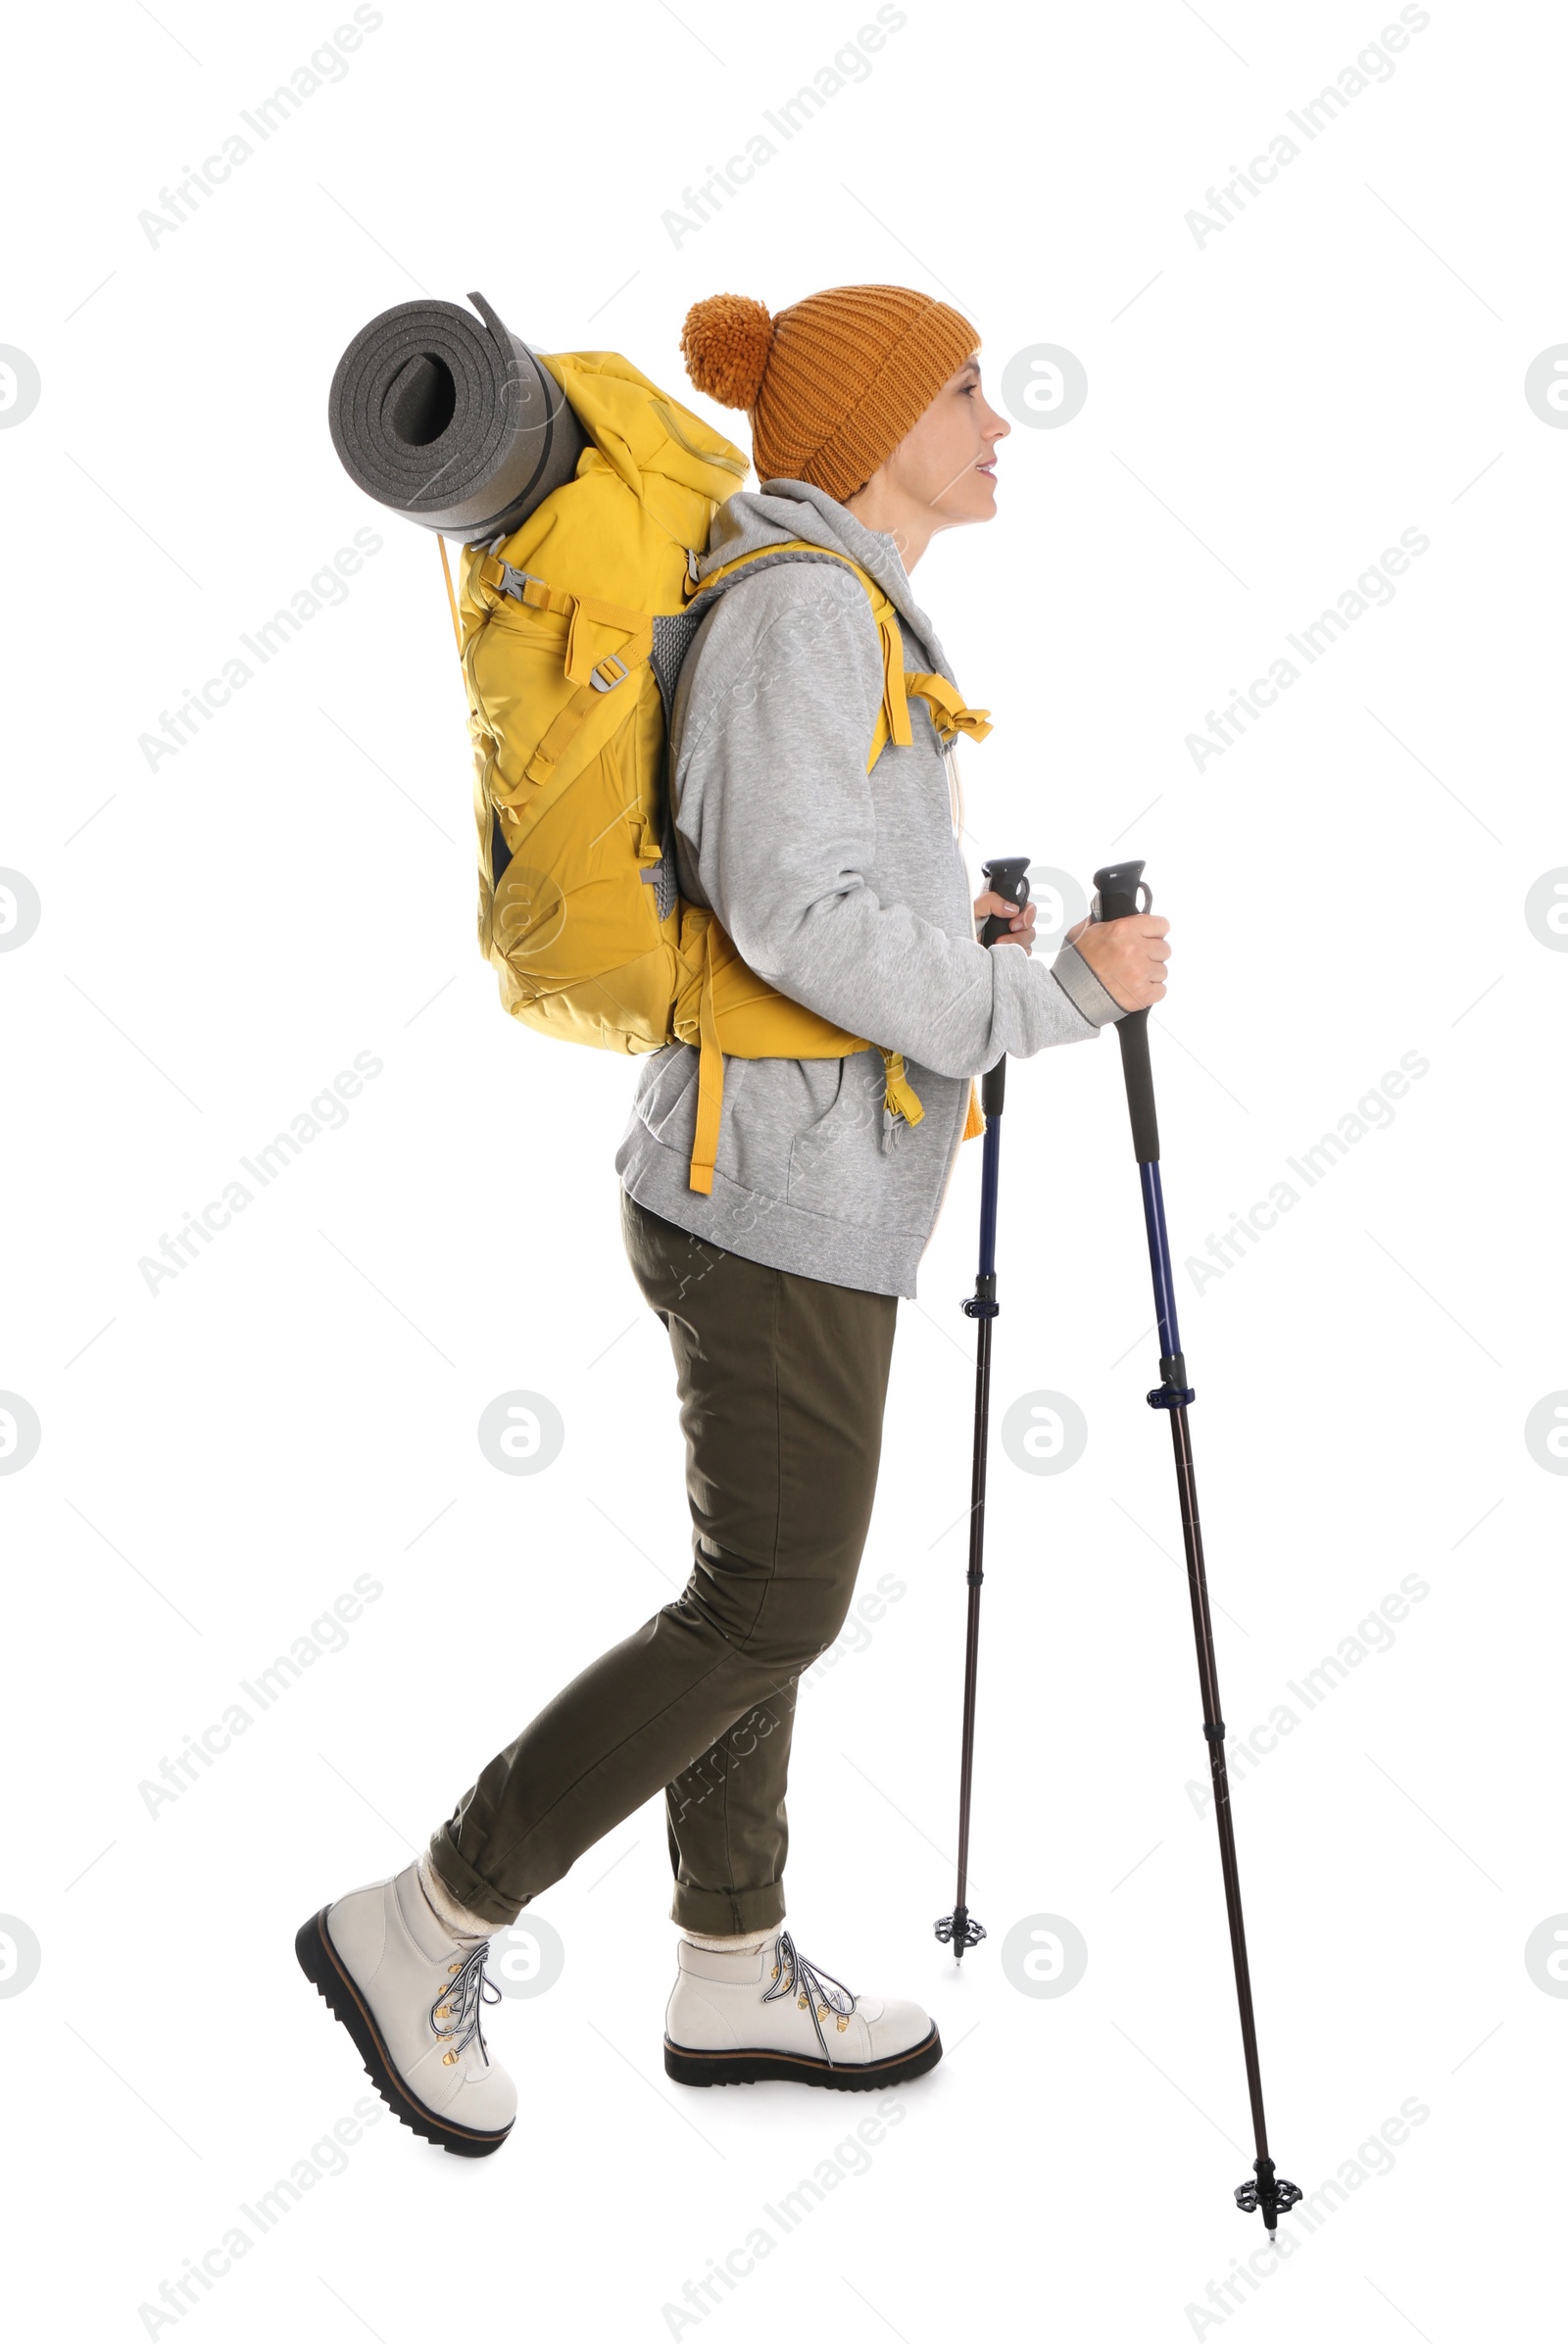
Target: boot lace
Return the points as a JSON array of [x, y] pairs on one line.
[[816, 1990], [455, 2014]]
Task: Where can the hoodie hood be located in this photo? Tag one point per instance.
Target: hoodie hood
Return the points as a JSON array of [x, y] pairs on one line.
[[752, 519]]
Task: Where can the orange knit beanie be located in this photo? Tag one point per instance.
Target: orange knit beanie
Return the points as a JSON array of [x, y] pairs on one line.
[[832, 383]]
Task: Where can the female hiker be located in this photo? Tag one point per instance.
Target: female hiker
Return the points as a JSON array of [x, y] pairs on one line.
[[848, 892]]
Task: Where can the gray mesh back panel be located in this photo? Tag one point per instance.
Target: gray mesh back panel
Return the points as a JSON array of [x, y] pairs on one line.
[[672, 640]]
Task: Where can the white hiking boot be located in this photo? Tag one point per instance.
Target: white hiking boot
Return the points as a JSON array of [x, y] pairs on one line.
[[411, 1997], [746, 2017]]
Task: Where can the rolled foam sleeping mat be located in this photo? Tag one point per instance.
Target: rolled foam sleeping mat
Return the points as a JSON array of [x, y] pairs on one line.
[[450, 419]]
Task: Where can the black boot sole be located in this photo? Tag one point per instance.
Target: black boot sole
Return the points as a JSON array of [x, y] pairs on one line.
[[319, 1960], [782, 2067]]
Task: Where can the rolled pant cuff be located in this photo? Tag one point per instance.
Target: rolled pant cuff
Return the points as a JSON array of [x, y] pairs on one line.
[[726, 1913], [473, 1892]]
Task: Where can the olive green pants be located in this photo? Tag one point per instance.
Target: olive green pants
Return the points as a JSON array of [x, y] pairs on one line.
[[782, 1382]]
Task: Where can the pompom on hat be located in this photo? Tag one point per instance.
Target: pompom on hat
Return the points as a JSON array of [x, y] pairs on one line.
[[831, 384]]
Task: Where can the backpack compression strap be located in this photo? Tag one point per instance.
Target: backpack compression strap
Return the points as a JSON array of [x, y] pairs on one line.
[[592, 677]]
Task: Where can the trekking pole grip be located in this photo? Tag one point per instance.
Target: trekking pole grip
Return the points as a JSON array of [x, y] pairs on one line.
[[1117, 891], [1005, 875]]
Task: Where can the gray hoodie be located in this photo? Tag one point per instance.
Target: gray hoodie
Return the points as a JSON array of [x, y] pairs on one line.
[[847, 891]]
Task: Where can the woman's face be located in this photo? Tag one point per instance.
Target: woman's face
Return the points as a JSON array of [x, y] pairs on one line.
[[947, 462]]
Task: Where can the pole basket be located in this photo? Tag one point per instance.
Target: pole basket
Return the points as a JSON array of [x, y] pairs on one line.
[[960, 1931], [1267, 2194]]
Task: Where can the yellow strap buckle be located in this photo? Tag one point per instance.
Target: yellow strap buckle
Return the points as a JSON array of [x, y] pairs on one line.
[[521, 586]]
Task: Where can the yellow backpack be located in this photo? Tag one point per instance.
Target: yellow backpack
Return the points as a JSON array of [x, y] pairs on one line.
[[572, 633]]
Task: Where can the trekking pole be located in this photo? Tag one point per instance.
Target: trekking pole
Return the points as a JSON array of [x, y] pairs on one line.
[[1118, 888], [1005, 877]]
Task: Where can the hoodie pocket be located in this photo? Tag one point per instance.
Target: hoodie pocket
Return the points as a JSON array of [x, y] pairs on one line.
[[667, 1100], [848, 1168], [832, 1159]]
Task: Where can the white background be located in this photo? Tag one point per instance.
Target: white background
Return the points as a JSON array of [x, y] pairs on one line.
[[1267, 411]]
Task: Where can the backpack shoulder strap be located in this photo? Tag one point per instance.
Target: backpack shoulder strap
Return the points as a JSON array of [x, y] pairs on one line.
[[948, 713]]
